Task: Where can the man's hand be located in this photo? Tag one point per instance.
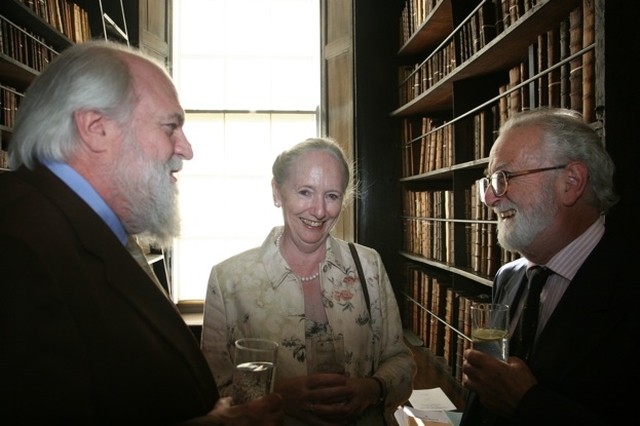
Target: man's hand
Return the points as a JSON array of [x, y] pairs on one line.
[[266, 411], [499, 384]]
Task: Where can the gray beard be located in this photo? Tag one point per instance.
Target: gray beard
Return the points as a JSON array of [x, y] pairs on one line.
[[151, 198], [162, 220], [527, 225]]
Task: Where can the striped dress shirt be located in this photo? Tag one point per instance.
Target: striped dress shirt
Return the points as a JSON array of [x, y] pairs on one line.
[[565, 265]]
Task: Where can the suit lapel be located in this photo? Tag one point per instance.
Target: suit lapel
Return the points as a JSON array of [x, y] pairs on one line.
[[584, 316], [123, 273]]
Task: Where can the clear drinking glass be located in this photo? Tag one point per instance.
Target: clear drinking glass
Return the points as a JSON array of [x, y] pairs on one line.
[[490, 329], [255, 368], [327, 354]]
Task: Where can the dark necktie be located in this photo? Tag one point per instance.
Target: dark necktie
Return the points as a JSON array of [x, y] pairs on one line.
[[529, 318]]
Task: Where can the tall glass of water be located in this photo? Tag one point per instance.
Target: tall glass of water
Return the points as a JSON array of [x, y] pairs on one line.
[[490, 329], [255, 368]]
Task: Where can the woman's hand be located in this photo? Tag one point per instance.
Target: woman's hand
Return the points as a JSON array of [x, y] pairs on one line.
[[328, 399], [317, 399], [365, 392]]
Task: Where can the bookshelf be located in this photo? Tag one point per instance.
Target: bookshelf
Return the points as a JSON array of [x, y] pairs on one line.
[[31, 35], [373, 97], [33, 32], [463, 67], [146, 24]]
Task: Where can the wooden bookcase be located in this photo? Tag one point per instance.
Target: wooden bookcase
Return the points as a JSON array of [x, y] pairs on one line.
[[369, 54], [146, 24], [27, 43], [464, 66]]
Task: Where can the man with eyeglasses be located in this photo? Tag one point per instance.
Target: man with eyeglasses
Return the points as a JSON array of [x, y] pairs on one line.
[[550, 183]]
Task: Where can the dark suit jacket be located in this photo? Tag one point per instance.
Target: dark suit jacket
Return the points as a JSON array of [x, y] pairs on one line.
[[87, 337], [585, 359]]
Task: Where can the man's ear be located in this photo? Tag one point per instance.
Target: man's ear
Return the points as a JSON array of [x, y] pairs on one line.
[[93, 129], [576, 177]]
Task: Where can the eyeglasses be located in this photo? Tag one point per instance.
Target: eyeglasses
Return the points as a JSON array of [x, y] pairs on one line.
[[499, 181]]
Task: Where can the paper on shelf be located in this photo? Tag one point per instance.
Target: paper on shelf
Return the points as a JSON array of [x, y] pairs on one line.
[[407, 416], [430, 400], [430, 407]]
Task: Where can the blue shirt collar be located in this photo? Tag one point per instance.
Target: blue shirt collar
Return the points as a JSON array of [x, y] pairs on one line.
[[81, 187]]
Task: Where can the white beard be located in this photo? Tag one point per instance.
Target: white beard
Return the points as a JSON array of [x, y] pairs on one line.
[[518, 234], [150, 196]]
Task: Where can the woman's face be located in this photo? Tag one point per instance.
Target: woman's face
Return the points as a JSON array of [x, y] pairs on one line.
[[311, 199]]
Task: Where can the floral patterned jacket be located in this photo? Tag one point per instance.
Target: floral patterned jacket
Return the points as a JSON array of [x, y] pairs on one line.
[[255, 294]]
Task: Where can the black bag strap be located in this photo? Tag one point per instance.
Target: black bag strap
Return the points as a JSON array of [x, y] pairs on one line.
[[361, 277], [365, 291]]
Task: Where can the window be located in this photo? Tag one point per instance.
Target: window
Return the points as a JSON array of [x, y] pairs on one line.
[[248, 74]]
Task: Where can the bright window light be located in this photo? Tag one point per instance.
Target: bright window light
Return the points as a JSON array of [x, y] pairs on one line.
[[248, 74]]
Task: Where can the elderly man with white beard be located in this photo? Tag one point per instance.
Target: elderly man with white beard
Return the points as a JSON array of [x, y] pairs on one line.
[[87, 336], [550, 183]]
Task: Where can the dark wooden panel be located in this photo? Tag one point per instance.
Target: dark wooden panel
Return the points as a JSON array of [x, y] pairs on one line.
[[155, 29], [337, 114]]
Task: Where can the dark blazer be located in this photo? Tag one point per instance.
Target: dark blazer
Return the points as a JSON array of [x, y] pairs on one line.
[[585, 359], [86, 336]]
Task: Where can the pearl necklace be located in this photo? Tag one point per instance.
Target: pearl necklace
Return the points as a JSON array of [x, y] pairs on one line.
[[303, 279], [309, 278]]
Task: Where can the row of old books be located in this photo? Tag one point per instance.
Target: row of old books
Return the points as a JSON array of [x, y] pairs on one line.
[[572, 84], [63, 15], [560, 72], [24, 47], [478, 30], [563, 80], [428, 145], [484, 254], [490, 18], [486, 124], [428, 142], [507, 12], [427, 232], [4, 159], [417, 79], [439, 315], [561, 69], [413, 15], [9, 103]]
